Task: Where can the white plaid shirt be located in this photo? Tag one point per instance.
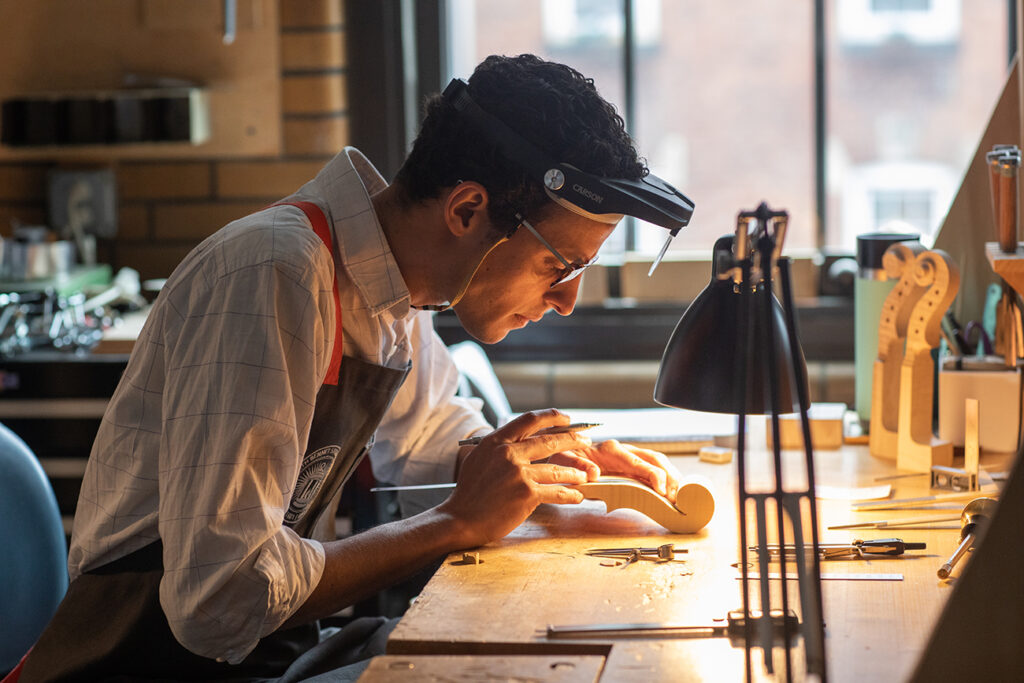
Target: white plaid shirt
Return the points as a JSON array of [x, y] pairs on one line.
[[201, 442]]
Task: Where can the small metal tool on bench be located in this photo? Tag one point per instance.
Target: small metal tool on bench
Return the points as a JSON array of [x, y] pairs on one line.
[[883, 547], [973, 519], [734, 626], [663, 553]]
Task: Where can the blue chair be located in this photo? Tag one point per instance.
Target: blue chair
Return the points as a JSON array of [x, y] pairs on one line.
[[33, 572]]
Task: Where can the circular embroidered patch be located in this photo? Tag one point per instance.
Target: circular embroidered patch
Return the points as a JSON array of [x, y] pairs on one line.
[[315, 467]]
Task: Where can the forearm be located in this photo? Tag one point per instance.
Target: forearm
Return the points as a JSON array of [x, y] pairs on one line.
[[498, 488], [361, 565]]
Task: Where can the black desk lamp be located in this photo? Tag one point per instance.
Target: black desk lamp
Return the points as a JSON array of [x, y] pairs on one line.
[[736, 350]]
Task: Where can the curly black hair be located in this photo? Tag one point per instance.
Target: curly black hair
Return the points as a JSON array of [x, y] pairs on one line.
[[552, 105]]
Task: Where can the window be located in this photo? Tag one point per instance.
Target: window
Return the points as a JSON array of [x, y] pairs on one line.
[[727, 108], [913, 207], [895, 197], [922, 22], [583, 24], [904, 118]]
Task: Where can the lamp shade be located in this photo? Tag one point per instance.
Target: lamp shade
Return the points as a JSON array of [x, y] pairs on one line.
[[700, 368]]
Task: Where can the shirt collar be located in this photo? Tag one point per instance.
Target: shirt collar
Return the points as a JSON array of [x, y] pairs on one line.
[[346, 183]]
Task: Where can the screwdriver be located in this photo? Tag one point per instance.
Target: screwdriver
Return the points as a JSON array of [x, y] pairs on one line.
[[973, 519]]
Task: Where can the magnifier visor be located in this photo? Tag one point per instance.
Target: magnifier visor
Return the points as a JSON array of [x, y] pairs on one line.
[[649, 198]]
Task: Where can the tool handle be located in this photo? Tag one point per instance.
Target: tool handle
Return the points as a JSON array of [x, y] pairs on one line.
[[887, 546]]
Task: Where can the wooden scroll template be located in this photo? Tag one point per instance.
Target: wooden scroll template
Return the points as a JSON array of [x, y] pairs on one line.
[[692, 510], [898, 262], [917, 447]]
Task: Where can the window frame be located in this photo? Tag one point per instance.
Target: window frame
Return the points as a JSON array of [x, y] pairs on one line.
[[398, 50]]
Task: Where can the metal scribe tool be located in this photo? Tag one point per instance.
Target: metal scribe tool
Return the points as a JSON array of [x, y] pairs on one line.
[[734, 626]]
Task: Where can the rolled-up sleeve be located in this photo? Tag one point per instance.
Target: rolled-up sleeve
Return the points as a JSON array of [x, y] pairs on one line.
[[243, 368]]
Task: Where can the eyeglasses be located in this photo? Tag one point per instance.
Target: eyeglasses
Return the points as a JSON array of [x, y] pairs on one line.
[[570, 271]]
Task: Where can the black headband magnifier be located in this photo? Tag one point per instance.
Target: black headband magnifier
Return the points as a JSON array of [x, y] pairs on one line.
[[605, 200]]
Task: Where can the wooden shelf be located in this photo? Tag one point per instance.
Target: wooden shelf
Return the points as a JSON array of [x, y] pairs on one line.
[[1010, 267], [102, 45]]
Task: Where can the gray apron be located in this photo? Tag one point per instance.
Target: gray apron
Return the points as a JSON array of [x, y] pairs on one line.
[[110, 625]]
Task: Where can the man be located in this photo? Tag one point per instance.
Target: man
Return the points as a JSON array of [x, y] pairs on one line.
[[287, 343]]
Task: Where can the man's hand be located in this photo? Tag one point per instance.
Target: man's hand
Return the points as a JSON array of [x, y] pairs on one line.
[[612, 457], [499, 483]]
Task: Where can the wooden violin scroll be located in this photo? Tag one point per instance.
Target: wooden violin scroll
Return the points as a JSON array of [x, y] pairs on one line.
[[918, 448], [691, 512], [899, 264]]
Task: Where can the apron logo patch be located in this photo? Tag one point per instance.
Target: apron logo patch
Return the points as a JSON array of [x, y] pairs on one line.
[[315, 467]]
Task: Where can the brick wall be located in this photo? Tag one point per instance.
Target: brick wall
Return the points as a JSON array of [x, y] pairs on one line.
[[169, 206]]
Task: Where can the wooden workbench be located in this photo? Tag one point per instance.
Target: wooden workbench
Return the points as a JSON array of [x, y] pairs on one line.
[[539, 575]]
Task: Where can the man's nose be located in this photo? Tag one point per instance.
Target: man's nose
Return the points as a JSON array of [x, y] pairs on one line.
[[562, 298]]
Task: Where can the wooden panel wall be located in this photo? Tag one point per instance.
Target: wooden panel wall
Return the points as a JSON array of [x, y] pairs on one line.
[[969, 222], [169, 204], [52, 46]]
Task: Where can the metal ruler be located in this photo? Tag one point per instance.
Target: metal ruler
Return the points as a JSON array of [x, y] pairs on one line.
[[865, 576]]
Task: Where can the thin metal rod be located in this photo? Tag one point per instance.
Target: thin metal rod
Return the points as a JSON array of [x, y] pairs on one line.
[[767, 249], [629, 94], [744, 367], [891, 523], [947, 568], [820, 124], [814, 641]]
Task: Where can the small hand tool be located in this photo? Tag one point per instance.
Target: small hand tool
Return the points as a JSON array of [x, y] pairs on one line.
[[631, 558], [663, 553], [923, 501], [887, 523], [574, 427], [734, 626], [884, 547], [973, 519]]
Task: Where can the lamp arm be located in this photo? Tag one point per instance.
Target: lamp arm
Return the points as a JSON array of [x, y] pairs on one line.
[[810, 591]]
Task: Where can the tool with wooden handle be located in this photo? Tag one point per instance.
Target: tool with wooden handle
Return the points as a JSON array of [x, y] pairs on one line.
[[974, 518]]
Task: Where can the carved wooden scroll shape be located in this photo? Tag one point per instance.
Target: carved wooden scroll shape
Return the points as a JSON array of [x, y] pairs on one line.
[[692, 510], [918, 448], [899, 262]]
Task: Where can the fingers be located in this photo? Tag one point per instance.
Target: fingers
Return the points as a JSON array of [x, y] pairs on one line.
[[554, 482], [545, 445], [662, 467], [650, 467], [535, 448], [530, 422], [556, 474], [571, 459], [559, 495]]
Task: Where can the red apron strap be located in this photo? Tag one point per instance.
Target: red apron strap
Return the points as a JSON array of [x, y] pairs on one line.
[[15, 673], [323, 231]]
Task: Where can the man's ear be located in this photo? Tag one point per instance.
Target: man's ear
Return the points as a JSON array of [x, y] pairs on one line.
[[465, 209]]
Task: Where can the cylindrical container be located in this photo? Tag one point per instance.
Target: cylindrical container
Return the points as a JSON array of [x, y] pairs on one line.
[[1009, 189], [869, 291], [1004, 165]]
